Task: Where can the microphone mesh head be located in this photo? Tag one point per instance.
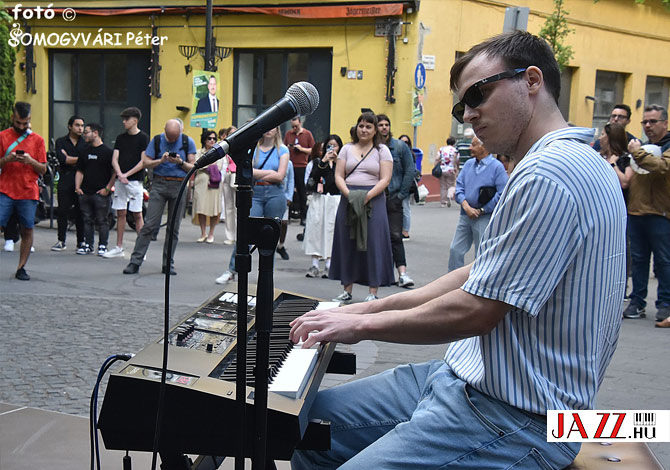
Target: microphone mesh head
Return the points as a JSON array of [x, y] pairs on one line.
[[304, 98]]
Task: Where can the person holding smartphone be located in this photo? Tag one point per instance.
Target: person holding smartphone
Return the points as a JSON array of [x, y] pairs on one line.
[[323, 203], [171, 155], [23, 159]]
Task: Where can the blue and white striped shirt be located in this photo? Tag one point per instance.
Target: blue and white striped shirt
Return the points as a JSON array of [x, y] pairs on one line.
[[555, 251]]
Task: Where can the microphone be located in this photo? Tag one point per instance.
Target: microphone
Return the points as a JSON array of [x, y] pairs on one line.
[[301, 99]]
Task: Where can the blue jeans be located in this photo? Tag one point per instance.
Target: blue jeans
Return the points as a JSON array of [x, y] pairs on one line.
[[468, 231], [423, 416], [650, 234], [267, 201]]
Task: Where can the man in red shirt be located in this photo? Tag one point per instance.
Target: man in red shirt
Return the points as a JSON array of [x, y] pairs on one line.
[[300, 142], [22, 160]]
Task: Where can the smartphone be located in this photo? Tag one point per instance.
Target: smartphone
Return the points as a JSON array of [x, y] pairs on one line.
[[20, 152], [173, 154], [330, 148]]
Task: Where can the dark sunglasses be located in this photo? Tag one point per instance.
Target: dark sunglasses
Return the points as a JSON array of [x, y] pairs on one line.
[[211, 138], [473, 96]]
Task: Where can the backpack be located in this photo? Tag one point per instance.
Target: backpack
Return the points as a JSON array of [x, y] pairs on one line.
[[157, 144]]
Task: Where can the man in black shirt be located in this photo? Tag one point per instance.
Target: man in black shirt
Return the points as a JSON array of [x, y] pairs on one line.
[[93, 183], [129, 169], [67, 151]]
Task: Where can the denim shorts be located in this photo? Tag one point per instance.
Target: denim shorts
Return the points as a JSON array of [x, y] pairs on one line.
[[24, 208]]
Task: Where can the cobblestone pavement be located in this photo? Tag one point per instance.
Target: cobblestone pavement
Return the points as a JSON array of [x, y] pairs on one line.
[[77, 310]]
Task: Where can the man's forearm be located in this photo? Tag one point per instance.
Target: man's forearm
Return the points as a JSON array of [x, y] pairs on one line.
[[415, 297], [450, 317]]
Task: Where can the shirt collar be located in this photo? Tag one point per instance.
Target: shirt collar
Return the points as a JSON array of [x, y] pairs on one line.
[[581, 134], [484, 161]]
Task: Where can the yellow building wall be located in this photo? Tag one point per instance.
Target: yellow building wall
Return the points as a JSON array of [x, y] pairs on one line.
[[601, 40], [613, 35]]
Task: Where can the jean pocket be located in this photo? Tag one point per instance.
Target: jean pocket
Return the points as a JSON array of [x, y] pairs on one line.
[[533, 460], [480, 414]]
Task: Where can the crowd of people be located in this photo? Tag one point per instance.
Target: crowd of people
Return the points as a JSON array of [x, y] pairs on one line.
[[352, 198], [531, 325]]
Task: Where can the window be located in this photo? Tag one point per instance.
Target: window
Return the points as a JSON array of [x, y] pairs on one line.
[[609, 91], [564, 98], [98, 85], [656, 91], [262, 77]]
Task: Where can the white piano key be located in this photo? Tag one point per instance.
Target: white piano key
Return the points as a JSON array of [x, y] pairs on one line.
[[327, 305], [295, 372]]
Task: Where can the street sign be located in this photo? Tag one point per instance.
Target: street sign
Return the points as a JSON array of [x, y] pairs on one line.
[[420, 76]]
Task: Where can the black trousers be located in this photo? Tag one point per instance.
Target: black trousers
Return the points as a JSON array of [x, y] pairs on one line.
[[94, 209], [394, 212], [68, 203], [299, 175]]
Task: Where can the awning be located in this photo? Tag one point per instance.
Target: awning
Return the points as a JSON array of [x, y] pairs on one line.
[[307, 12]]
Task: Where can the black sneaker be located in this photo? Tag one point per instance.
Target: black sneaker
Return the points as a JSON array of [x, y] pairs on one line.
[[131, 269], [281, 251], [172, 271], [633, 311], [60, 246], [22, 275], [662, 313]]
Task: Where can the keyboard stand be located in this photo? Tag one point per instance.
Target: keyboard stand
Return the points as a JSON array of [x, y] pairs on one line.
[[264, 235]]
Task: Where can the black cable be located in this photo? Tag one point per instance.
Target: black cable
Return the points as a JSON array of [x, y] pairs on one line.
[[166, 321], [93, 410]]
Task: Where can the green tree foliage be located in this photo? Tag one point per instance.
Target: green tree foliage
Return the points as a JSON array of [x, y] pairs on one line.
[[7, 60], [555, 31]]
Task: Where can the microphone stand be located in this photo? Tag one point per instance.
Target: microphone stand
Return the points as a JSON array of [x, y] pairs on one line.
[[264, 233], [244, 178]]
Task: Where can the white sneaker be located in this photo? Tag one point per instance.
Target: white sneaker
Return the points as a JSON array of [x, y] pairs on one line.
[[405, 281], [116, 252], [371, 297], [226, 277], [102, 249], [9, 245], [344, 298]]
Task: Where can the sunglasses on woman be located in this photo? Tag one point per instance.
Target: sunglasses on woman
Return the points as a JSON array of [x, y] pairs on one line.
[[473, 96]]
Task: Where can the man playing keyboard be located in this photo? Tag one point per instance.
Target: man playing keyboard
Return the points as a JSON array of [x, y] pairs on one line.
[[532, 323]]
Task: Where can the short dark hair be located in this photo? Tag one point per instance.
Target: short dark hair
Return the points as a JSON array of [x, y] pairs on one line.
[[94, 126], [519, 49], [132, 112], [657, 107], [72, 119], [372, 119], [451, 141], [206, 133], [625, 107], [22, 109]]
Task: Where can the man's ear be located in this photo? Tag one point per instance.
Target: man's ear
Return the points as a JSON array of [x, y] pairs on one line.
[[534, 79]]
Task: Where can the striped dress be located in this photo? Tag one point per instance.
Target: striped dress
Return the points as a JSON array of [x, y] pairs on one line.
[[554, 251]]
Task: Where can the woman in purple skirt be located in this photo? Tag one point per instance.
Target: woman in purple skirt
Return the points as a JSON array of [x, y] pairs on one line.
[[361, 243]]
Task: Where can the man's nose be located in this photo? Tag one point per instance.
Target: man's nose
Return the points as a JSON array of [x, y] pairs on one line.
[[469, 114]]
